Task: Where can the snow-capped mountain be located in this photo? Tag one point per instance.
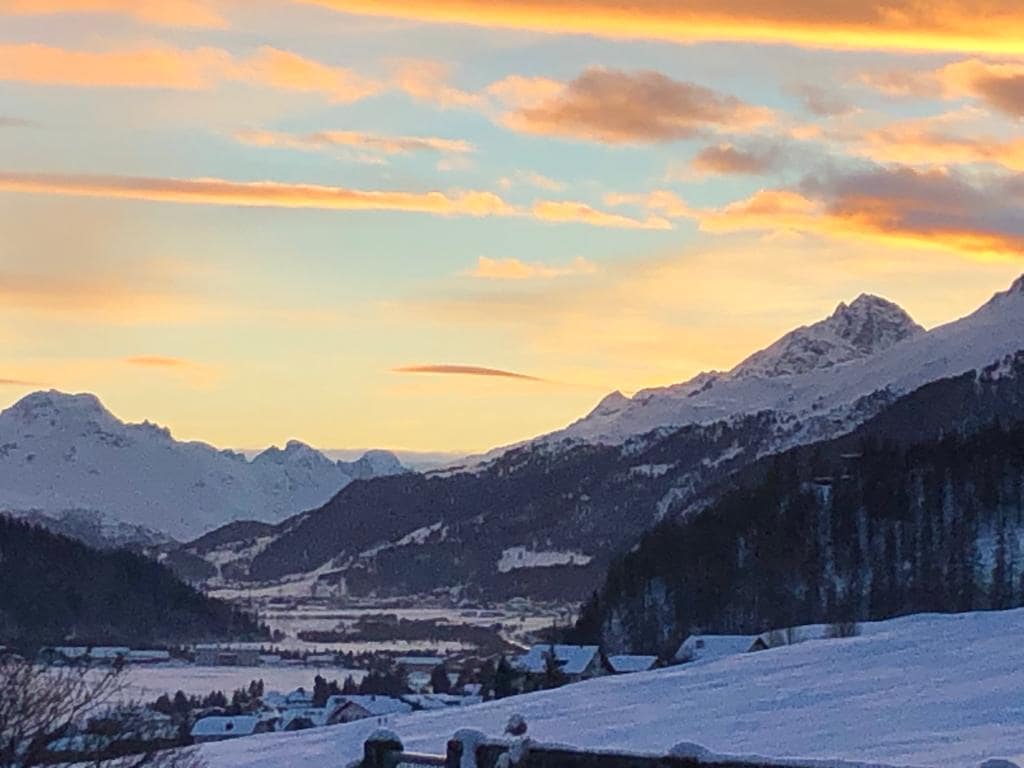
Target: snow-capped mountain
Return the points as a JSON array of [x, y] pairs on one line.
[[61, 452], [545, 518], [822, 379]]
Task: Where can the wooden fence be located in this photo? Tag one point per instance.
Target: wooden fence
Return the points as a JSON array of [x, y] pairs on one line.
[[385, 750]]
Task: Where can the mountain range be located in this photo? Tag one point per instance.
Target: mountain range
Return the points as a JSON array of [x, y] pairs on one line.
[[66, 458], [546, 518]]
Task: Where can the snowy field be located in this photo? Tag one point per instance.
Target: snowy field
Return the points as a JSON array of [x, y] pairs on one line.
[[919, 691], [147, 683]]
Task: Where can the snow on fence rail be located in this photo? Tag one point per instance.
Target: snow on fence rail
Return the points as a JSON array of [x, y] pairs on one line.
[[469, 749]]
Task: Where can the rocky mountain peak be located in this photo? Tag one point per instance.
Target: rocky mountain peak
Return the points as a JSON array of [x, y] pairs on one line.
[[865, 327]]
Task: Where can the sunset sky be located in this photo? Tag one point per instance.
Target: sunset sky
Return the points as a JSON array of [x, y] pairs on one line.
[[454, 224]]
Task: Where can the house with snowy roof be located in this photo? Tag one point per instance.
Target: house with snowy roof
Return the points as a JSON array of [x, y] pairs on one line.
[[575, 662], [221, 727], [363, 707], [711, 647], [624, 664]]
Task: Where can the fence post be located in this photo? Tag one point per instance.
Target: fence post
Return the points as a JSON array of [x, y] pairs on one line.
[[453, 756], [377, 748]]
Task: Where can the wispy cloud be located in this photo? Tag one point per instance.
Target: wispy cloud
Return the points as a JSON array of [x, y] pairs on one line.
[[902, 25], [272, 194], [19, 383], [170, 13], [429, 81], [157, 361], [570, 211], [7, 121], [465, 370], [266, 194], [516, 269], [359, 141], [169, 68], [615, 107]]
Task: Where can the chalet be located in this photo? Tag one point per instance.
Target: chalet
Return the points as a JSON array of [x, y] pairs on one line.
[[222, 656], [576, 662], [299, 719], [711, 647], [625, 664], [365, 707], [228, 727]]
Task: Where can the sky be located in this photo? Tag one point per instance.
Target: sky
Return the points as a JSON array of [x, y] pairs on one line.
[[451, 225]]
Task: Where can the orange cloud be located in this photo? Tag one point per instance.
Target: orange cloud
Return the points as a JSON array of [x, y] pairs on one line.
[[18, 383], [427, 80], [266, 194], [932, 142], [170, 13], [571, 211], [515, 269], [661, 201], [933, 209], [357, 140], [617, 107], [465, 370], [532, 179], [724, 159], [142, 68], [1000, 85], [189, 70], [993, 26], [290, 72], [156, 361]]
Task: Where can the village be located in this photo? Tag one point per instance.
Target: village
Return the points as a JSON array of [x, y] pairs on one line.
[[388, 686]]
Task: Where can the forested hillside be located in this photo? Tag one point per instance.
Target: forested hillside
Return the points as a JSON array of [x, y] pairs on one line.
[[55, 589], [883, 522]]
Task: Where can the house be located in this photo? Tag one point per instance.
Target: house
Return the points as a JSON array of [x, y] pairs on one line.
[[364, 707], [710, 647], [82, 654], [223, 656], [576, 662], [299, 719], [432, 701], [298, 699], [624, 664], [219, 728]]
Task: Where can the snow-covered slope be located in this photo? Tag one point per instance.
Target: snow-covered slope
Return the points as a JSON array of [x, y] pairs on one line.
[[918, 691], [824, 378], [61, 452]]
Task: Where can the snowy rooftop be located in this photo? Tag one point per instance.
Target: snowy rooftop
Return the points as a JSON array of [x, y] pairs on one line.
[[625, 663], [240, 725], [377, 706], [714, 646], [572, 659], [917, 691]]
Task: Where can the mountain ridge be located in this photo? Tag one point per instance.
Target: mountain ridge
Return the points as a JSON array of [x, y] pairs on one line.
[[63, 453]]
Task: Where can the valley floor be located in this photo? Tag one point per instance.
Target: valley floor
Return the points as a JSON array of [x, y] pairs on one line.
[[917, 691]]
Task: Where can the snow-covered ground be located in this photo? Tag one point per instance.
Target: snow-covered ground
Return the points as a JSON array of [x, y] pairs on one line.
[[918, 691]]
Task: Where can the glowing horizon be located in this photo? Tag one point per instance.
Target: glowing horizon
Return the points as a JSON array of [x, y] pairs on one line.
[[450, 226]]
